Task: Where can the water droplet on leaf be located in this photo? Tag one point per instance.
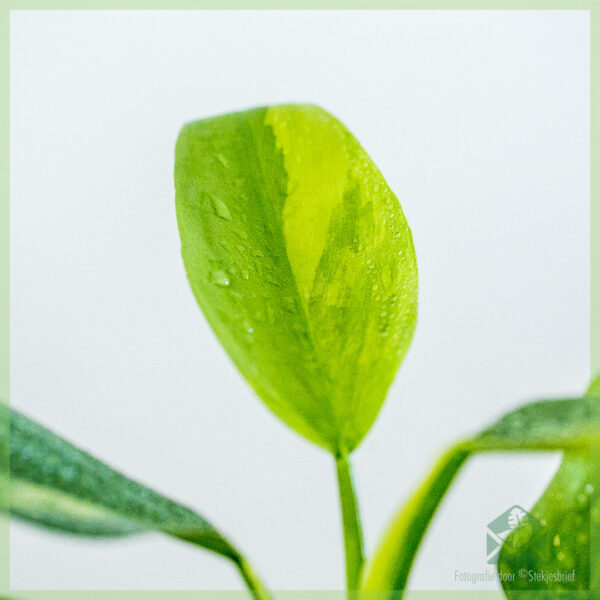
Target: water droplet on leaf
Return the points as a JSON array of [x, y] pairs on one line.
[[220, 208], [223, 160], [220, 278]]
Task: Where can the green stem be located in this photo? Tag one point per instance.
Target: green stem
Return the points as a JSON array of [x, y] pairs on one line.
[[353, 537], [253, 583], [391, 564]]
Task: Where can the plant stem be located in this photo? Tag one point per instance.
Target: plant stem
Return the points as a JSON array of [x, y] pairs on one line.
[[253, 583], [353, 537], [393, 560]]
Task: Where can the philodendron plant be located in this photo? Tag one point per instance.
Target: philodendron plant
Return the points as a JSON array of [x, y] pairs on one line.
[[303, 263]]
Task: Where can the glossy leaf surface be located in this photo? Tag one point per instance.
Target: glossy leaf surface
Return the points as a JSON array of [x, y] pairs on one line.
[[302, 261]]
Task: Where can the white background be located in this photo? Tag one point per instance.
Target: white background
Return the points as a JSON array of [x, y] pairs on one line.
[[478, 120]]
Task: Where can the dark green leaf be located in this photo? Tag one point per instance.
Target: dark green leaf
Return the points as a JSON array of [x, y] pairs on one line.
[[56, 485]]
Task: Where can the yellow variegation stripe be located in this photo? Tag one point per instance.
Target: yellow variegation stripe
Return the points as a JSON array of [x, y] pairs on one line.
[[316, 160], [54, 508]]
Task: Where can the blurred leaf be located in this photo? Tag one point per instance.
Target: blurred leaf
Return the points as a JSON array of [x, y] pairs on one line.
[[569, 425], [301, 259], [56, 485], [570, 514]]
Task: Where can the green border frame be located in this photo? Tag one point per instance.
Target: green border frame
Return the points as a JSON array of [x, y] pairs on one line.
[[593, 6]]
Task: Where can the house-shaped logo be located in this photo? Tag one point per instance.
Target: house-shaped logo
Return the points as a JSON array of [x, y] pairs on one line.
[[516, 530]]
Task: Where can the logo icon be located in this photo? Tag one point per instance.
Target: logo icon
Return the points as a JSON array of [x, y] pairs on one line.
[[515, 529]]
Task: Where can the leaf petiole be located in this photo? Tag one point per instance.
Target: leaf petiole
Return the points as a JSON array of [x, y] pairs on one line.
[[353, 536], [253, 583]]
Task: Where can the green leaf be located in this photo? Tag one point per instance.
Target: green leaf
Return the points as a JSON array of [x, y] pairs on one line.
[[302, 261], [56, 485], [570, 425], [570, 513], [544, 425]]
